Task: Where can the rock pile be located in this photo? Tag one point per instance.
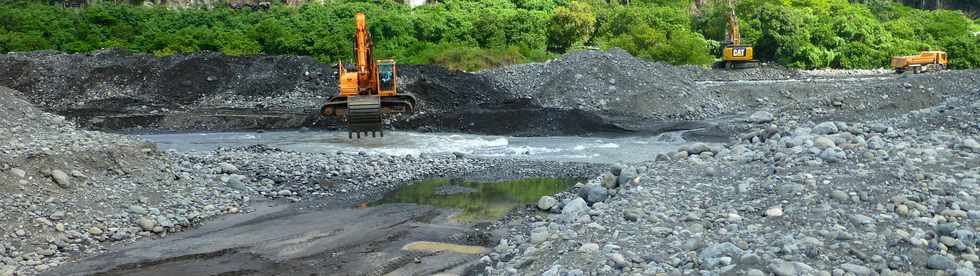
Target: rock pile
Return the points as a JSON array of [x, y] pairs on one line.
[[886, 197]]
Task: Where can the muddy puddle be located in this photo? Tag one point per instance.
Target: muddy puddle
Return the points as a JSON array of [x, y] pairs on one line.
[[478, 200]]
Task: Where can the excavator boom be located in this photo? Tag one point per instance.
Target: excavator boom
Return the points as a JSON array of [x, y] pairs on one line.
[[368, 93]]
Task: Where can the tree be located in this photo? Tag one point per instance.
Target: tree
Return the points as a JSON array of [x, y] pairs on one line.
[[570, 25]]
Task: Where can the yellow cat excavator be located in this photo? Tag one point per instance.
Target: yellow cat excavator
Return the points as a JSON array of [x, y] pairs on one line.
[[736, 55], [367, 91]]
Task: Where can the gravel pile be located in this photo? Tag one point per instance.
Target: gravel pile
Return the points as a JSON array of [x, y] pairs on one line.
[[612, 82], [67, 192], [882, 197], [763, 72]]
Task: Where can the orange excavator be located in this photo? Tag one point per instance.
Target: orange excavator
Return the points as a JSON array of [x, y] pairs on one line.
[[367, 91]]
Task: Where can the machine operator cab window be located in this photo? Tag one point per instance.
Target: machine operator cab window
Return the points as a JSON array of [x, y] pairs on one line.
[[386, 75]]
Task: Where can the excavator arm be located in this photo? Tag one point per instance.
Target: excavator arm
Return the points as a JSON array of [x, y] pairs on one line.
[[734, 36]]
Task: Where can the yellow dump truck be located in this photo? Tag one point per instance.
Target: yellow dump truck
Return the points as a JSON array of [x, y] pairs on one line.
[[923, 62]]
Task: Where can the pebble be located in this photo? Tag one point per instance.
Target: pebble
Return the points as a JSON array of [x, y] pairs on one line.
[[575, 207], [19, 173], [783, 268], [761, 117], [146, 223], [858, 270], [774, 212], [136, 209], [539, 234], [618, 259], [589, 248], [861, 219], [940, 262], [902, 210], [61, 178], [825, 128], [94, 231], [823, 142], [227, 168], [633, 214], [840, 196], [595, 194]]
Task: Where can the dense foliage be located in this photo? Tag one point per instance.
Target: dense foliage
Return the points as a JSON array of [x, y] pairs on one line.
[[471, 35]]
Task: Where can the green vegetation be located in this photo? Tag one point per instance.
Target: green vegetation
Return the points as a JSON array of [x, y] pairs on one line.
[[472, 35], [488, 201]]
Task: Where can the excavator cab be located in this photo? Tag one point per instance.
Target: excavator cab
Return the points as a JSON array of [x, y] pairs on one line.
[[387, 77]]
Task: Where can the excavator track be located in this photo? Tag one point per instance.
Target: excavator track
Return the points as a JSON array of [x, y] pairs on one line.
[[364, 116]]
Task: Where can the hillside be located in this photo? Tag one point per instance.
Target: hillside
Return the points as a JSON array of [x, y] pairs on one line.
[[473, 35]]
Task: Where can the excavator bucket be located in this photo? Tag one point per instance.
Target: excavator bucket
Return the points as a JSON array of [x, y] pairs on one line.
[[364, 115]]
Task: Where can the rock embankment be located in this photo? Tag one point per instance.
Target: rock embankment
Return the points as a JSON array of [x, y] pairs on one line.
[[67, 191], [896, 196]]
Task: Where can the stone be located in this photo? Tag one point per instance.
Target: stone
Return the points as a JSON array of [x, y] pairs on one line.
[[627, 175], [19, 173], [57, 215], [965, 271], [940, 262], [825, 128], [754, 272], [680, 155], [589, 248], [593, 194], [712, 253], [555, 270], [971, 145], [774, 212], [861, 219], [949, 213], [94, 231], [945, 229], [823, 142], [839, 196], [633, 214], [547, 202], [227, 168], [832, 155], [616, 169], [136, 209], [146, 223], [7, 270], [539, 234], [761, 117], [61, 178], [750, 260], [609, 181], [575, 207], [902, 210], [618, 259], [120, 235], [858, 270], [698, 148], [783, 268]]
